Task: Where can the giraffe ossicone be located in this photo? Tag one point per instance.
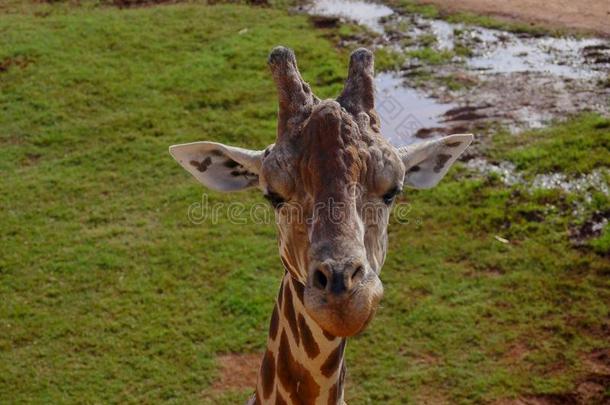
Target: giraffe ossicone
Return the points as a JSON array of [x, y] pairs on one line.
[[331, 178]]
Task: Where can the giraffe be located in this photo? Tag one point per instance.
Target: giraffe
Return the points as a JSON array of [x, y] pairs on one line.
[[331, 179]]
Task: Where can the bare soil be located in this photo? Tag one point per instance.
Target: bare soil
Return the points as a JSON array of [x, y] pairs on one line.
[[237, 371], [582, 15], [591, 390]]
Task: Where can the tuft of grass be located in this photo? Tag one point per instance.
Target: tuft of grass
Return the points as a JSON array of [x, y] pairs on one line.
[[576, 146], [387, 59], [601, 244], [427, 40], [462, 50], [431, 56], [502, 24], [410, 6]]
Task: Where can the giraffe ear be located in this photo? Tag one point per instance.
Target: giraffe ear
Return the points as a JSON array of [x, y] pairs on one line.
[[427, 163], [219, 167]]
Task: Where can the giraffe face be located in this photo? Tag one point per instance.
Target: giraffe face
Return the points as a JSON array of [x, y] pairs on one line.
[[332, 186], [331, 178]]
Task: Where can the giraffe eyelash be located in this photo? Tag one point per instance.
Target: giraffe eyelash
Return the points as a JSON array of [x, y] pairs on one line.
[[274, 199], [389, 197]]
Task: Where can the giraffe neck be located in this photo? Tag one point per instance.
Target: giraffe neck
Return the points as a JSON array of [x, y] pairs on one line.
[[303, 364]]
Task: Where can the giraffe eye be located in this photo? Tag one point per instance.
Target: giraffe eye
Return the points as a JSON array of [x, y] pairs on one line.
[[274, 199], [389, 197]]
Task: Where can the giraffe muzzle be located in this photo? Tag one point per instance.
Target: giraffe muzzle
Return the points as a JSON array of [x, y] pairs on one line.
[[342, 297]]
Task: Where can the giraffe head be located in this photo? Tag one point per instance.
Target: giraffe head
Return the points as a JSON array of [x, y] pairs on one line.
[[331, 179]]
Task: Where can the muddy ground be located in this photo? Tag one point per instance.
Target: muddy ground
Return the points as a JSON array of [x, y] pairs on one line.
[[586, 15], [456, 77]]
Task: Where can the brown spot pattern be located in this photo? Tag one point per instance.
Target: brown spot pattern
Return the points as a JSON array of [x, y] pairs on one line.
[[295, 378], [203, 165], [280, 296], [310, 344], [328, 335], [453, 144], [290, 315], [299, 289], [333, 394], [244, 173], [441, 160], [333, 361], [273, 325], [231, 164], [268, 374]]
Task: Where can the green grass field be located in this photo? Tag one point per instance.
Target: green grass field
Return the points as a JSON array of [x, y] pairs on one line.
[[109, 294]]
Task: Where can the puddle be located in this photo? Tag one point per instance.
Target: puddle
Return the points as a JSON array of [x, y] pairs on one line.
[[406, 112], [366, 14], [494, 51], [502, 52], [497, 51], [442, 30], [518, 81]]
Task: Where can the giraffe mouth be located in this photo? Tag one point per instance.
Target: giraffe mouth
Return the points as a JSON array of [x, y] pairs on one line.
[[349, 314]]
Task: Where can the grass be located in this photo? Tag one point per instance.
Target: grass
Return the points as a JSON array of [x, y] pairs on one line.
[[577, 146], [387, 59], [431, 56], [110, 293]]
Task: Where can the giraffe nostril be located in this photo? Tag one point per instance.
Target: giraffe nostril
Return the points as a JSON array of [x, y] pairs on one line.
[[359, 272], [320, 280]]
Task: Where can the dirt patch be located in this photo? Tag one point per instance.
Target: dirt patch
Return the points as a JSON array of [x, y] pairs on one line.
[[431, 396], [18, 61], [139, 3], [598, 362], [593, 388], [590, 389], [237, 371], [147, 3], [320, 21], [426, 359], [516, 353], [546, 399], [30, 159], [585, 15]]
